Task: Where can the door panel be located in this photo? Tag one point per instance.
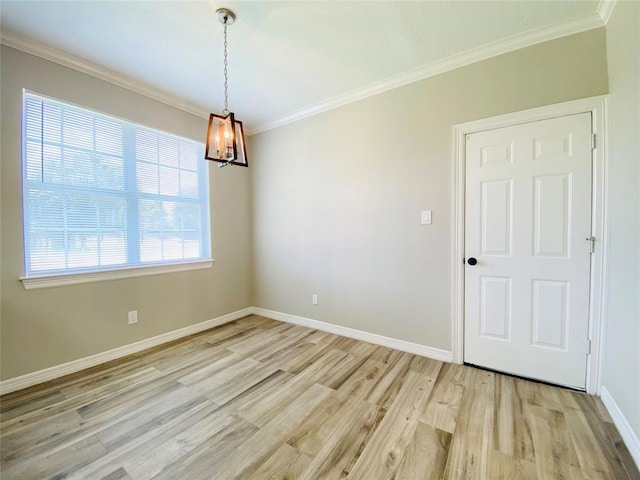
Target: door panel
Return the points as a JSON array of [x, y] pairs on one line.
[[551, 216], [527, 215], [550, 314], [496, 217], [495, 307]]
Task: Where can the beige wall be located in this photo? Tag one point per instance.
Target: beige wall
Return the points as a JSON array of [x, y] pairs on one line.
[[622, 354], [46, 327], [333, 202], [337, 197]]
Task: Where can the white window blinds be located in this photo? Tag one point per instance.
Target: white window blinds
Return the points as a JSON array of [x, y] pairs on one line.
[[101, 194]]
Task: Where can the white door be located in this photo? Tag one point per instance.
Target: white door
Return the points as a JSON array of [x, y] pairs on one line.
[[527, 220]]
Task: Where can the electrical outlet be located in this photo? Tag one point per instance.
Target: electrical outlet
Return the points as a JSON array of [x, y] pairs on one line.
[[133, 317], [314, 299]]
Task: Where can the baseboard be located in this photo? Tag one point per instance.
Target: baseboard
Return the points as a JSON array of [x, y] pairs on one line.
[[629, 437], [430, 352], [51, 373]]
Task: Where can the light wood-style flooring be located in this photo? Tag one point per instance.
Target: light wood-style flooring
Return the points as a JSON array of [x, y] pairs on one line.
[[261, 399]]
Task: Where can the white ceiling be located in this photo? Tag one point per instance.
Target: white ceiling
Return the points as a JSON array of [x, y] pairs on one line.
[[288, 59]]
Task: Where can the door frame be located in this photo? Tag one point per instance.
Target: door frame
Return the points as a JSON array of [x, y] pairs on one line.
[[597, 106]]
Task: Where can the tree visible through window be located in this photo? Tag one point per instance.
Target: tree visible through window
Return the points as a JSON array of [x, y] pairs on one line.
[[100, 193]]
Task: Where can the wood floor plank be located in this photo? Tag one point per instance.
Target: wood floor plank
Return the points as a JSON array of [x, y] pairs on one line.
[[118, 454], [306, 358], [251, 340], [554, 450], [61, 390], [335, 377], [268, 407], [343, 343], [151, 414], [55, 464], [223, 360], [29, 396], [581, 473], [317, 336], [128, 398], [540, 394], [389, 384], [16, 407], [159, 355], [229, 382], [426, 455], [342, 440], [189, 356], [257, 394], [381, 456], [143, 465], [251, 454], [250, 323], [363, 349], [131, 421], [310, 435], [75, 402], [506, 467], [118, 377], [260, 399], [282, 358], [442, 409], [293, 336], [590, 454], [256, 343], [208, 458], [119, 474], [285, 464], [18, 442], [512, 432], [382, 354], [472, 442], [360, 383], [615, 462], [623, 452]]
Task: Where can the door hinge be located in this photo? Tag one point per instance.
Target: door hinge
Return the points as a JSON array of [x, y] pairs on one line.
[[588, 347], [593, 141], [592, 244]]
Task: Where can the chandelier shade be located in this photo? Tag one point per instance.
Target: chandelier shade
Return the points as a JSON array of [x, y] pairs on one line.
[[225, 135], [225, 141]]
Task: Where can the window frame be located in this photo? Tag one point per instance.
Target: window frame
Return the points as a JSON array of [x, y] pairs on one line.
[[130, 191]]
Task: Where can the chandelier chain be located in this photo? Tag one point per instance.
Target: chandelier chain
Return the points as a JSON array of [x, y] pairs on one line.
[[226, 75]]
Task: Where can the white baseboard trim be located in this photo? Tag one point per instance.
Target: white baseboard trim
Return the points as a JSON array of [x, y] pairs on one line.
[[403, 345], [57, 371], [630, 437], [51, 373]]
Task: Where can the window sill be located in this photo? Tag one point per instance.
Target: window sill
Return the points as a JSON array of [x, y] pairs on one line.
[[59, 280]]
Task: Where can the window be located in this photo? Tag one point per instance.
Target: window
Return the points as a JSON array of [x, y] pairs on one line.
[[101, 194]]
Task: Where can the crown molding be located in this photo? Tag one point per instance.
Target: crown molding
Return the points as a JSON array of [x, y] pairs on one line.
[[533, 37], [33, 47], [484, 52], [605, 9]]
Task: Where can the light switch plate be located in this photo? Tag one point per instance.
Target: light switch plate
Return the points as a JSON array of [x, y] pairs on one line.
[[425, 217]]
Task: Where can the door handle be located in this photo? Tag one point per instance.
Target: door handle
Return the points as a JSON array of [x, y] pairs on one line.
[[472, 261]]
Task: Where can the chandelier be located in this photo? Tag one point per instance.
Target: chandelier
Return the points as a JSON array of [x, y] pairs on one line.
[[225, 135]]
